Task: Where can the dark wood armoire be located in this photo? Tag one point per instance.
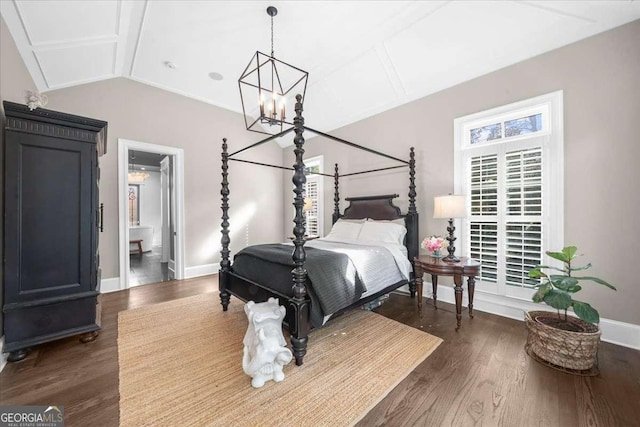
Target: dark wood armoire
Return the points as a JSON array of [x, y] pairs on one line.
[[51, 260]]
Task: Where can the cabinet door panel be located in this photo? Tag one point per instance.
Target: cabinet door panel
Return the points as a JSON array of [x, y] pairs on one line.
[[50, 182]]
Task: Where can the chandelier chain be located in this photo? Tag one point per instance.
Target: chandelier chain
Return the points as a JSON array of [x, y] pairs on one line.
[[272, 37]]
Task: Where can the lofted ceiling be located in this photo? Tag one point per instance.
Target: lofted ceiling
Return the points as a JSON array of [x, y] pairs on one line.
[[363, 57]]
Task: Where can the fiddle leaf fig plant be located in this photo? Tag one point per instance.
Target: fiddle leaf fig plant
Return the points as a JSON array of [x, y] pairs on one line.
[[556, 290]]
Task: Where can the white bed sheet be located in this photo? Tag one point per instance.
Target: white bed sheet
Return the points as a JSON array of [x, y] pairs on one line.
[[379, 282], [399, 253]]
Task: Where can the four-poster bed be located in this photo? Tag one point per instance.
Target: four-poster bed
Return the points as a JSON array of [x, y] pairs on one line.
[[300, 298]]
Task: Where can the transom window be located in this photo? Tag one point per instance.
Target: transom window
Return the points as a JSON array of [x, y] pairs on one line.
[[507, 128], [509, 163]]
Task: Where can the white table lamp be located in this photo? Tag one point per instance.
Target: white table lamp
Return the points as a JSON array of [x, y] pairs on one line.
[[449, 207]]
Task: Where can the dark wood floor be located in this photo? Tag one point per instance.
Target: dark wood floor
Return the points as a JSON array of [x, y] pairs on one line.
[[478, 376]]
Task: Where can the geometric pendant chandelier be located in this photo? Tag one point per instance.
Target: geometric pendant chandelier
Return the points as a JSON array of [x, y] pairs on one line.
[[267, 90]]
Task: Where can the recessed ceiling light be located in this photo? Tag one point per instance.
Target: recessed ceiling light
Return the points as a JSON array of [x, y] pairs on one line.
[[215, 76], [144, 169], [170, 65]]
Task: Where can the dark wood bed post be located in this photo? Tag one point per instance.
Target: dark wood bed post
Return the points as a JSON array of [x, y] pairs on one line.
[[299, 329], [413, 239], [336, 195], [225, 264]]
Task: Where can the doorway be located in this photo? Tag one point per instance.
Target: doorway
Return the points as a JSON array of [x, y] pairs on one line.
[[151, 202]]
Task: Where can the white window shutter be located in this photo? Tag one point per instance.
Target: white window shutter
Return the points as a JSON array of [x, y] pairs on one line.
[[311, 191], [484, 185], [484, 248], [524, 182], [523, 252], [523, 192]]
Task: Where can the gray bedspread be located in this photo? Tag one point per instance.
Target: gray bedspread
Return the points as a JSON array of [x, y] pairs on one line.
[[335, 281]]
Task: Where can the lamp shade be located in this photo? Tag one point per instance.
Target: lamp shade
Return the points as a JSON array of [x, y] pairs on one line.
[[450, 206]]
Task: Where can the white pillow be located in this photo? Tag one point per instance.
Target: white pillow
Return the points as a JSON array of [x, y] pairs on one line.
[[384, 232], [359, 221], [399, 221], [345, 230]]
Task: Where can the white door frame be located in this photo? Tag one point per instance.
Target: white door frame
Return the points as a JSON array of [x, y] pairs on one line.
[[164, 199], [124, 145]]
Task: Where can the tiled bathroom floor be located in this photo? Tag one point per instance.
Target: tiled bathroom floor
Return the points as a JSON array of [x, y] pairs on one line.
[[147, 268]]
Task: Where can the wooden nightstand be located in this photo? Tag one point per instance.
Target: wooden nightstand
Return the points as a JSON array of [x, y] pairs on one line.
[[436, 267]]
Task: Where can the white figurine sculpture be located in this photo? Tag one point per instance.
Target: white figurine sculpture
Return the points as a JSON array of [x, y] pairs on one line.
[[265, 349]]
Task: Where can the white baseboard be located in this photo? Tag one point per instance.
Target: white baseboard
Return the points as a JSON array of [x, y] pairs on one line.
[[113, 284], [613, 331], [620, 333], [201, 270], [3, 356], [109, 285]]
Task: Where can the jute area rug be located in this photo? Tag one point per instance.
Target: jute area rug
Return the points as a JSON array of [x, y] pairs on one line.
[[181, 365]]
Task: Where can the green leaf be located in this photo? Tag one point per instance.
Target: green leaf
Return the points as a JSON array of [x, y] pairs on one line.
[[569, 251], [557, 299], [563, 282], [536, 274], [586, 312], [581, 268], [542, 291], [574, 288], [551, 267], [559, 256], [599, 281]]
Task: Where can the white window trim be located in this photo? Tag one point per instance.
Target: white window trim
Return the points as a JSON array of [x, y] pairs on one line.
[[552, 136]]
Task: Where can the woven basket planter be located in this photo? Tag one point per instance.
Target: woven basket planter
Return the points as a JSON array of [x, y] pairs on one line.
[[571, 350]]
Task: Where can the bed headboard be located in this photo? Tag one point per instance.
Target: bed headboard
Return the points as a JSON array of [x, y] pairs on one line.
[[382, 208], [374, 207]]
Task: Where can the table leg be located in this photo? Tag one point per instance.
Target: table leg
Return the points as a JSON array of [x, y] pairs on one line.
[[418, 277], [434, 288], [457, 279], [471, 287]]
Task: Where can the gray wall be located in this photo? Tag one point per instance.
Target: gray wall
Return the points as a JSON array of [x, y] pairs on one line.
[[600, 77], [143, 113]]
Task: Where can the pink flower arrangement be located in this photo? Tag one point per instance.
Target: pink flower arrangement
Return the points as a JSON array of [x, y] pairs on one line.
[[434, 243]]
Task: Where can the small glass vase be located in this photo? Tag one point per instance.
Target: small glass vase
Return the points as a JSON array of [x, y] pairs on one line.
[[437, 253]]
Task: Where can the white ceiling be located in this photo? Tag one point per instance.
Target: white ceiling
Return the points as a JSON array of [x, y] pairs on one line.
[[363, 57]]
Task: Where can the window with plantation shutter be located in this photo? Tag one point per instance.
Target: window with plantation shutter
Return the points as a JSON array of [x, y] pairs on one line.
[[514, 185], [311, 191], [314, 190]]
